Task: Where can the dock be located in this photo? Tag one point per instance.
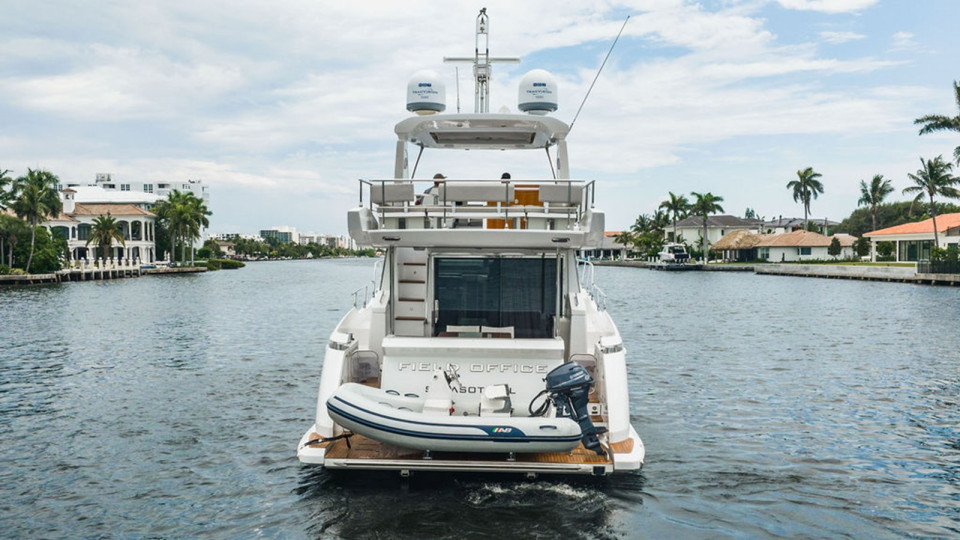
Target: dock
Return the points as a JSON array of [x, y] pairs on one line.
[[91, 273]]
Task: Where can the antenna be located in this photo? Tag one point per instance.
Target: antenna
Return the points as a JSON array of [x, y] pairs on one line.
[[457, 70], [598, 74], [482, 68]]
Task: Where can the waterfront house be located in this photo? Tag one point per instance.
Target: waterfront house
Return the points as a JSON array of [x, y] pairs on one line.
[[609, 249], [803, 245], [690, 229], [912, 241], [75, 222], [789, 224]]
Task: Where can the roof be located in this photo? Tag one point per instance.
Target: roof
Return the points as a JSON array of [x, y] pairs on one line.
[[803, 238], [738, 239], [112, 209], [718, 221], [796, 222], [944, 222], [61, 217], [611, 234], [490, 131]]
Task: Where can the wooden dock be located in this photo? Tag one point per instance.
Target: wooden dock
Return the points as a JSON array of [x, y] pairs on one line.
[[95, 274]]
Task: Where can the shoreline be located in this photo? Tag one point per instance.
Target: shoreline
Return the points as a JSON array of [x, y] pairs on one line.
[[898, 274]]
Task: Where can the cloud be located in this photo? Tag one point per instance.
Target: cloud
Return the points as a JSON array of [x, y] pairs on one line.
[[828, 6], [903, 41], [837, 38]]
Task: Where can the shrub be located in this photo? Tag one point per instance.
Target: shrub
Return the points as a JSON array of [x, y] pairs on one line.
[[226, 264], [884, 250], [212, 264]]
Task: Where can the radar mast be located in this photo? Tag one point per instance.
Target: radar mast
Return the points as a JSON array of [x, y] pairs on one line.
[[482, 64]]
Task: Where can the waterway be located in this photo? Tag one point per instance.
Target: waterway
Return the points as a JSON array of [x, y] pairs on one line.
[[770, 406]]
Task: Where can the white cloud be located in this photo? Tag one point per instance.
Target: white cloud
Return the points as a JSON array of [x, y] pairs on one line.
[[902, 41], [828, 6], [837, 38]]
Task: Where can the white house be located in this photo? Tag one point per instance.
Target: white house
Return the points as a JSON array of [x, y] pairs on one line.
[[75, 222], [912, 241], [782, 225], [802, 245]]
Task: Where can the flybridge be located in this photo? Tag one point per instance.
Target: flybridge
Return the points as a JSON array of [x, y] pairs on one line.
[[452, 212]]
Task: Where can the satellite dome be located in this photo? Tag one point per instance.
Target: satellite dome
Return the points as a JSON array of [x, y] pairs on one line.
[[426, 94], [538, 93]]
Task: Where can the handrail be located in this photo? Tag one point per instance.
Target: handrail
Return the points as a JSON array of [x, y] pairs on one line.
[[588, 283], [446, 208]]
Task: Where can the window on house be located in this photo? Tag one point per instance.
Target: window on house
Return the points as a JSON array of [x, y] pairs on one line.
[[148, 188], [805, 251], [763, 253], [124, 187]]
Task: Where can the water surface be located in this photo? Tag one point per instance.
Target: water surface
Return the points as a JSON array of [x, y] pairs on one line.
[[770, 406]]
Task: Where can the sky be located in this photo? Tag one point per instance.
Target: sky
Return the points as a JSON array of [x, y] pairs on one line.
[[280, 107]]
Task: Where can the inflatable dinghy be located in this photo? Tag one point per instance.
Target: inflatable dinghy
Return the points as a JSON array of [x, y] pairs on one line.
[[428, 423], [400, 421]]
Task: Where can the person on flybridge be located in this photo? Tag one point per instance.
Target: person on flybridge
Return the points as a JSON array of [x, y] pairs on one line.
[[430, 194]]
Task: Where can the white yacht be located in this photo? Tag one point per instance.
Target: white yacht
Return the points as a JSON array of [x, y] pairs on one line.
[[673, 253], [485, 346]]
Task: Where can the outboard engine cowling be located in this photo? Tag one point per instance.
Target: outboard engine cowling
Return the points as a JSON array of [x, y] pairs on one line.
[[569, 387]]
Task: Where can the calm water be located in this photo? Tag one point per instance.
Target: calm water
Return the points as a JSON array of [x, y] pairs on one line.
[[770, 406]]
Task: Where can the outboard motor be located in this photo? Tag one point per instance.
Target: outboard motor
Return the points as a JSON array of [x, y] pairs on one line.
[[569, 387]]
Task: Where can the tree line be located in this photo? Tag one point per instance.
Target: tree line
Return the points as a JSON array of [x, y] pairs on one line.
[[272, 248]]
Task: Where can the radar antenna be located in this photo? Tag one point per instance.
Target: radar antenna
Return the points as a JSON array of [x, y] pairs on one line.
[[482, 64]]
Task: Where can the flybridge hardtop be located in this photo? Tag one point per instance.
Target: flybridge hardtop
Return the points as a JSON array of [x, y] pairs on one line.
[[485, 345], [483, 131]]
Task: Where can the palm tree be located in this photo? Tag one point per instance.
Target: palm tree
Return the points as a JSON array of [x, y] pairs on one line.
[[938, 122], [104, 231], [872, 195], [703, 205], [641, 225], [934, 179], [625, 238], [659, 221], [5, 194], [36, 199], [805, 188], [677, 207], [184, 215]]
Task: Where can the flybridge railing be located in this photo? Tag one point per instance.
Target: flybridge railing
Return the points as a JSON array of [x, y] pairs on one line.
[[480, 199]]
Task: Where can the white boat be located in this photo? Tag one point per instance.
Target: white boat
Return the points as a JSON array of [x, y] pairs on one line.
[[673, 253], [480, 280]]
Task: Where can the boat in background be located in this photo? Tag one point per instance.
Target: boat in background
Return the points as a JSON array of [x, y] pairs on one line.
[[486, 345]]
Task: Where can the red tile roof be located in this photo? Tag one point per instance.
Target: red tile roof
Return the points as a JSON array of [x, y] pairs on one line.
[[113, 209], [944, 222]]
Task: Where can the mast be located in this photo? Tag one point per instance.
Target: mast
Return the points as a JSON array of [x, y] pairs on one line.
[[482, 64]]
